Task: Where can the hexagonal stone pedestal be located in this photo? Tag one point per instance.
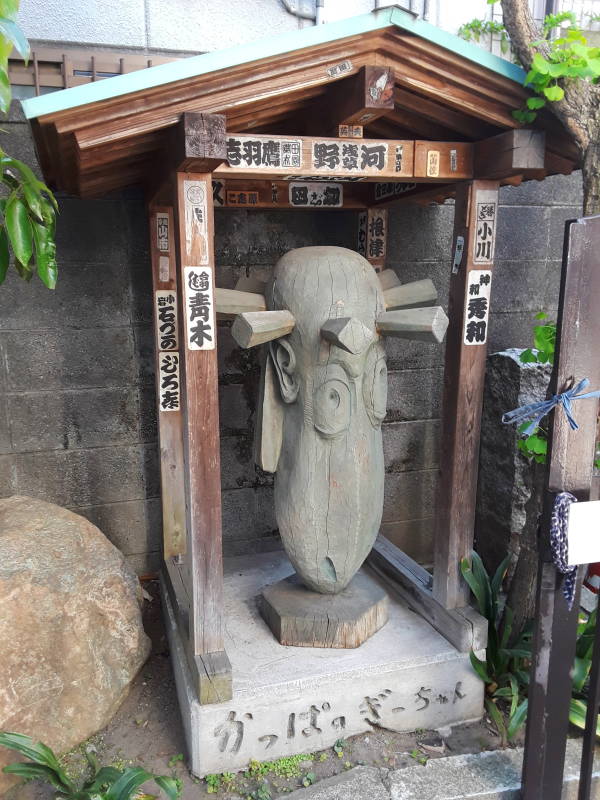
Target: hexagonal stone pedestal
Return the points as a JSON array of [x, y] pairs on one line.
[[302, 618]]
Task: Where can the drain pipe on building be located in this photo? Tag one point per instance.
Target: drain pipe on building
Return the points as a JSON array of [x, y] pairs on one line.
[[297, 9]]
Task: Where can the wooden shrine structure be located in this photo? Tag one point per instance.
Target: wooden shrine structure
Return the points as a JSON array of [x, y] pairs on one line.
[[358, 114]]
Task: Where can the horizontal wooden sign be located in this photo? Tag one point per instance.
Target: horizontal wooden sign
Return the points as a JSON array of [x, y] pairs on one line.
[[310, 157]]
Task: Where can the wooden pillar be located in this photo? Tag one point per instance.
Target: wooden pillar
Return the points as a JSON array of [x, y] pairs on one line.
[[168, 386], [201, 435], [466, 349]]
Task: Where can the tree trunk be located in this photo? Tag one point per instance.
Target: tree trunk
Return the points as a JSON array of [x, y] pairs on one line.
[[591, 177]]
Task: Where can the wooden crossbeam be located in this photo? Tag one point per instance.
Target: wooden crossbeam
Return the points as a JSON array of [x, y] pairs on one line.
[[512, 153]]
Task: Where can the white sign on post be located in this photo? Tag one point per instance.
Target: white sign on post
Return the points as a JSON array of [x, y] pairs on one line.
[[166, 319], [583, 540], [169, 388], [477, 306], [199, 308]]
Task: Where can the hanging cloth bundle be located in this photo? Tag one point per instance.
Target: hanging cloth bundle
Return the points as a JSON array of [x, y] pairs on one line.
[[559, 543]]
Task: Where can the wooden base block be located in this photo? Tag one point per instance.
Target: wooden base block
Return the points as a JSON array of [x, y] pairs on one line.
[[302, 618]]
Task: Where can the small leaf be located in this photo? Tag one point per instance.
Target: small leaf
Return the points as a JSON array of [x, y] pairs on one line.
[[480, 667], [131, 779], [11, 31], [169, 786], [497, 719], [554, 93], [517, 720], [535, 102], [4, 254], [34, 201], [540, 64], [581, 669], [45, 254], [528, 357], [19, 230], [5, 91]]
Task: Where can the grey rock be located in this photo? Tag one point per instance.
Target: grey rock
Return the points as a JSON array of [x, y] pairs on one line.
[[71, 628], [506, 477]]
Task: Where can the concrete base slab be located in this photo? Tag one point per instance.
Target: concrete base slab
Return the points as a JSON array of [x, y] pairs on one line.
[[302, 618], [289, 700]]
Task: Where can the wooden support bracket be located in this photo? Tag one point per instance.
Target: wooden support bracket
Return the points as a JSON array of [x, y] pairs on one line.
[[464, 628], [514, 152], [356, 100]]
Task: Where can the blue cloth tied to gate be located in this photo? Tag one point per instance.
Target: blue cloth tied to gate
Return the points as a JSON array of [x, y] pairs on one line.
[[537, 411]]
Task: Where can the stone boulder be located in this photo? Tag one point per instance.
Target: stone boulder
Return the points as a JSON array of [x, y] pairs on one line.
[[70, 626]]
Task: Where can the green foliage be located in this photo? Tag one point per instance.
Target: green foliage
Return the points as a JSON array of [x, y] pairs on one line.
[[557, 61], [174, 760], [581, 671], [418, 757], [505, 670], [27, 207], [309, 779], [338, 747], [476, 28], [107, 783], [535, 445]]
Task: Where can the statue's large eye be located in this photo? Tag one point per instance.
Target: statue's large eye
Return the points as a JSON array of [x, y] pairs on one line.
[[331, 408], [375, 385]]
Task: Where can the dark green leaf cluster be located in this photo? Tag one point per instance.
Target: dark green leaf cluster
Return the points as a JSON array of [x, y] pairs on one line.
[[107, 783], [506, 669]]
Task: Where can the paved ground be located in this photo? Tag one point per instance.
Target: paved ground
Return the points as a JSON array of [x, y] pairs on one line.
[[380, 765]]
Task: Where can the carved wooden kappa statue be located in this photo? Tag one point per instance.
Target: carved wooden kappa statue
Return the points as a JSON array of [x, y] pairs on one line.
[[323, 399]]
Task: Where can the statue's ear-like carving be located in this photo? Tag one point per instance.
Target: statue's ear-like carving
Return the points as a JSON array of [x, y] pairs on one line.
[[284, 362], [268, 435]]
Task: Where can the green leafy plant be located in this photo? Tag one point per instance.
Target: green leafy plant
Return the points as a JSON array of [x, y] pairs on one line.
[[309, 779], [107, 783], [27, 206], [418, 756], [174, 760], [544, 342], [535, 445], [505, 670], [476, 28], [581, 671], [338, 747]]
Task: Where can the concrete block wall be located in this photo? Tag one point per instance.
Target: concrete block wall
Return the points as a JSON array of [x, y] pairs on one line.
[[77, 407]]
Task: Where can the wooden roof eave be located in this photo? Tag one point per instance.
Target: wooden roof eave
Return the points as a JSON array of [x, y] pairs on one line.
[[454, 99]]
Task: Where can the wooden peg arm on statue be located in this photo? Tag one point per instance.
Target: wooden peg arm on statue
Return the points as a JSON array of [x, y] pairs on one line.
[[257, 327], [230, 301], [410, 294], [421, 324]]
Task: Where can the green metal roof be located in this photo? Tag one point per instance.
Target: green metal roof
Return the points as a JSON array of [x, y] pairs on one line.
[[265, 48]]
